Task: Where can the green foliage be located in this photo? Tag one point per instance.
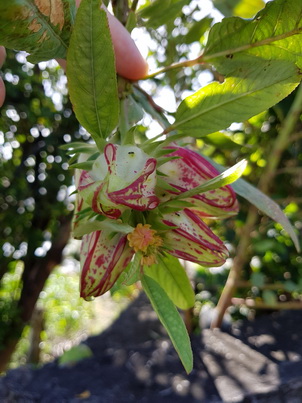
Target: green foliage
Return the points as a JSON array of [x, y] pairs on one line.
[[39, 28], [161, 12], [91, 72], [264, 204], [75, 354], [171, 320], [172, 278], [273, 35], [258, 87], [241, 8]]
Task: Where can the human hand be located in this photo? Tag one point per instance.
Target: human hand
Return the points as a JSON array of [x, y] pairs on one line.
[[129, 62]]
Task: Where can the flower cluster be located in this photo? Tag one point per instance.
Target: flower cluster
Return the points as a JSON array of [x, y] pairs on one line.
[[123, 208]]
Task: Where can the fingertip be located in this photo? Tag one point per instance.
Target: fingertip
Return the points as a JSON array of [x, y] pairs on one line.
[[2, 55], [129, 62], [2, 92], [131, 65]]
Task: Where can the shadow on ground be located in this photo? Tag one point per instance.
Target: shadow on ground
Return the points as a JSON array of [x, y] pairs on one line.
[[133, 361]]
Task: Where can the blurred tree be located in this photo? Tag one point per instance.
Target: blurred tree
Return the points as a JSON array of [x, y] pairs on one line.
[[35, 207]]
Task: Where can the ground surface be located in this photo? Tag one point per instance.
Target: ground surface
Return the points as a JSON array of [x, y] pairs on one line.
[[133, 361]]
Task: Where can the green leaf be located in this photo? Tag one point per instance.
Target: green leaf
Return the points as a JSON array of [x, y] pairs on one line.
[[258, 279], [75, 354], [87, 165], [274, 34], [172, 277], [240, 8], [91, 72], [222, 141], [290, 286], [262, 202], [259, 86], [225, 178], [171, 320], [86, 227], [162, 11], [197, 30], [269, 297], [267, 206], [41, 28]]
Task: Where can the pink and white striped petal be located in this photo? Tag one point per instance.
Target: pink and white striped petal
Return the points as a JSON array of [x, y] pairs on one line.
[[103, 259], [123, 177], [193, 240], [191, 170]]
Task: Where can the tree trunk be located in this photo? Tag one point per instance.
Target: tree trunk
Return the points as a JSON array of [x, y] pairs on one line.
[[36, 272]]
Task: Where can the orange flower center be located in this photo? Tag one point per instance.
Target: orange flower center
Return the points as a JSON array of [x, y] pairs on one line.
[[144, 239]]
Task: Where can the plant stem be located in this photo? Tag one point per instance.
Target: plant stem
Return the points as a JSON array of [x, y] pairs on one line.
[[251, 303], [242, 255], [179, 65], [203, 58], [134, 5]]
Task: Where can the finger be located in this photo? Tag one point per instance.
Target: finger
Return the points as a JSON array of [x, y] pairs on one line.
[[2, 92], [2, 55], [129, 62], [2, 87]]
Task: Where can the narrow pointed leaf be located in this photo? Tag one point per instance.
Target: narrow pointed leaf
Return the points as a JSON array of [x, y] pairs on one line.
[[225, 178], [41, 28], [91, 72], [87, 165], [263, 203], [267, 206], [171, 320], [171, 276]]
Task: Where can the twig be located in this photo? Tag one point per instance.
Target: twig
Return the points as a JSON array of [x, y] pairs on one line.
[[134, 5], [251, 303]]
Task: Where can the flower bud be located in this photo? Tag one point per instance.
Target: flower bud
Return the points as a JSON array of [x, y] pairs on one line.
[[123, 177], [191, 239], [191, 170], [103, 258]]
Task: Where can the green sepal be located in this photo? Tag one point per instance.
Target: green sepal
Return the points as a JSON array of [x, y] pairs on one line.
[[133, 273], [86, 166]]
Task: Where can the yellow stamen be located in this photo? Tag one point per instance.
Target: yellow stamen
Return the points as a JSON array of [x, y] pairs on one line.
[[143, 239]]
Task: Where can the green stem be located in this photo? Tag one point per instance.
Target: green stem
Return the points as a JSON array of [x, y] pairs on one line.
[[179, 65], [203, 58], [134, 5]]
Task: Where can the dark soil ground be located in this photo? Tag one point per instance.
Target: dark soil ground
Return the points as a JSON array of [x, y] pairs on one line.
[[133, 361]]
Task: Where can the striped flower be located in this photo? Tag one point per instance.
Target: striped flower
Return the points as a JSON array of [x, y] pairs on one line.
[[191, 170], [123, 177]]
